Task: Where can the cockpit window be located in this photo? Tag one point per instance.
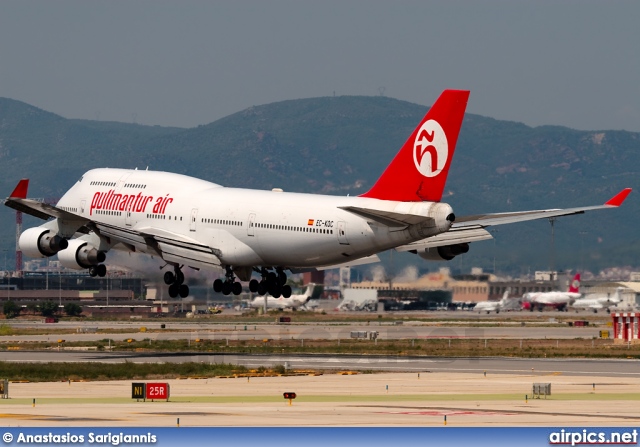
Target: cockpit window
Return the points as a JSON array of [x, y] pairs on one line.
[[80, 179]]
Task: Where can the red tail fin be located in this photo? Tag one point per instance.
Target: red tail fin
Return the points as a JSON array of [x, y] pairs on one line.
[[419, 170], [574, 287]]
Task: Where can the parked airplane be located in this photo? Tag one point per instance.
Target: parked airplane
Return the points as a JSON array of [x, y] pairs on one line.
[[558, 300], [600, 301], [504, 304], [190, 222], [293, 302]]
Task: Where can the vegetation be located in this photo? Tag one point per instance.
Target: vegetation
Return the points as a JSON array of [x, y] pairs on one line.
[[10, 309], [48, 308], [532, 348], [48, 372], [72, 309]]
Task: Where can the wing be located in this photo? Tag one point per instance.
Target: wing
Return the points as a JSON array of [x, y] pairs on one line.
[[485, 220], [19, 202], [472, 228], [172, 247]]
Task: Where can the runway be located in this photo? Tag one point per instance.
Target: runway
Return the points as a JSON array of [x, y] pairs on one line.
[[495, 365], [398, 330], [334, 400], [380, 390]]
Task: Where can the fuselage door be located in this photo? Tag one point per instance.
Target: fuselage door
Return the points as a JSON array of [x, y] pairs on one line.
[[194, 217], [83, 203], [342, 233], [252, 219]]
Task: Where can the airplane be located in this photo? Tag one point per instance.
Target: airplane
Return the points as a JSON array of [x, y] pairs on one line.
[[188, 222], [597, 302], [293, 302], [505, 303], [558, 300]]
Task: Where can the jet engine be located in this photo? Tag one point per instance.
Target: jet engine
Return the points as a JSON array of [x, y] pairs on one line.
[[80, 255], [444, 253], [40, 242]]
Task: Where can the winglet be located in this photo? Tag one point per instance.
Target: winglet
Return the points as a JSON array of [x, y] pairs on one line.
[[619, 198], [21, 190]]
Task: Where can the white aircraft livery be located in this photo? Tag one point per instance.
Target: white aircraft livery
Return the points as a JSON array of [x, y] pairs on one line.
[[194, 223], [293, 302]]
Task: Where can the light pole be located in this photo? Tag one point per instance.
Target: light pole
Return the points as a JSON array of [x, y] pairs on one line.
[[493, 233], [8, 277], [6, 272], [552, 262], [582, 235], [107, 291]]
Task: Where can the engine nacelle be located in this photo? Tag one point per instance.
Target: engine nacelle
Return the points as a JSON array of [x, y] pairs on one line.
[[441, 219], [444, 253], [80, 255], [40, 242]]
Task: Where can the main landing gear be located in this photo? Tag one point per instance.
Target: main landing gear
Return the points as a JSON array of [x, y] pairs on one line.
[[229, 285], [98, 270], [175, 281], [273, 283]]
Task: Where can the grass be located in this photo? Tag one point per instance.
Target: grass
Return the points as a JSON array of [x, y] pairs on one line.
[[59, 371], [456, 347]]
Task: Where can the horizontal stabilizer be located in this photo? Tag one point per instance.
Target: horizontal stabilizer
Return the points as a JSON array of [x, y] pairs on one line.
[[388, 218]]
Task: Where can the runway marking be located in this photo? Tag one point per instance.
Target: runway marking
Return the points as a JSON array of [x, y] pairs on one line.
[[450, 413], [43, 417]]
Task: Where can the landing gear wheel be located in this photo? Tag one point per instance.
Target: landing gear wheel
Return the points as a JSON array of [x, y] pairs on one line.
[[169, 278], [179, 277], [183, 290], [102, 270], [275, 291], [226, 288], [93, 271], [174, 289], [286, 291], [262, 288], [253, 285], [236, 288], [282, 278], [217, 285], [272, 279]]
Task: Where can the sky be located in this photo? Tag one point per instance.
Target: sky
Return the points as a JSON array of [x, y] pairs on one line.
[[573, 63]]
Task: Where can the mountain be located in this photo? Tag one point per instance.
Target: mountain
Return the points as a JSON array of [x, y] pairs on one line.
[[340, 145]]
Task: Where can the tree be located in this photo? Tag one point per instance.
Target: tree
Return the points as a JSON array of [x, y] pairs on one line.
[[48, 308], [72, 309], [32, 308], [11, 309]]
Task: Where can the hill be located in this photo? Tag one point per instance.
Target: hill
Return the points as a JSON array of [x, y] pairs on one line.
[[340, 145]]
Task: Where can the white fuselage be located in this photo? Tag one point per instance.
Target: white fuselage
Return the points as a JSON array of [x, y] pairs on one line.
[[597, 302], [551, 298], [243, 227], [293, 302]]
